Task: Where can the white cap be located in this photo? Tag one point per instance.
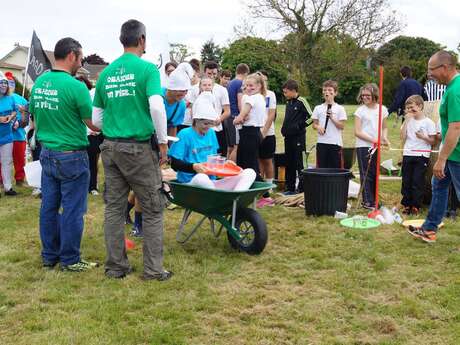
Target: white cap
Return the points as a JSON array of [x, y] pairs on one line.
[[203, 108], [179, 81], [2, 76], [187, 68]]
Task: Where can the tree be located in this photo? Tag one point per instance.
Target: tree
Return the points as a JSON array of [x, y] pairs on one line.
[[178, 52], [19, 87], [404, 51], [367, 22], [340, 59], [211, 51], [94, 59], [258, 54]]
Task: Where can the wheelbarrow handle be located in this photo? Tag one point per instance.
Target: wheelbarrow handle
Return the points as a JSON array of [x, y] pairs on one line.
[[166, 189]]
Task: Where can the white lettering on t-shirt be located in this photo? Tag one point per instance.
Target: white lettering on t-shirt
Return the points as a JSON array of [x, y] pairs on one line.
[[46, 98], [122, 85]]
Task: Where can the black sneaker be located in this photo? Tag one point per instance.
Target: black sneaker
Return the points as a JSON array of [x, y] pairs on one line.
[[165, 275], [428, 236], [137, 231], [11, 192], [367, 206], [49, 265], [118, 274]]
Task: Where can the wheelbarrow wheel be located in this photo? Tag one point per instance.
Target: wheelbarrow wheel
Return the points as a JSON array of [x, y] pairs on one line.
[[253, 231]]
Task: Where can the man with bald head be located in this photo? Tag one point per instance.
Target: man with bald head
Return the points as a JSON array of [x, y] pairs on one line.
[[442, 68]]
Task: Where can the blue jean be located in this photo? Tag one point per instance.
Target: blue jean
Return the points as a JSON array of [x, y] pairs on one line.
[[65, 180], [440, 195]]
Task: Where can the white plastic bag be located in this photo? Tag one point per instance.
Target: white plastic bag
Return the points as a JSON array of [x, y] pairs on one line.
[[353, 189], [33, 172]]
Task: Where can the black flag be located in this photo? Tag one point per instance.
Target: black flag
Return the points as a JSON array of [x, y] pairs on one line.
[[38, 61]]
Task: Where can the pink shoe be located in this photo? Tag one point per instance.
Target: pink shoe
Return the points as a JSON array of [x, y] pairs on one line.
[[265, 202]]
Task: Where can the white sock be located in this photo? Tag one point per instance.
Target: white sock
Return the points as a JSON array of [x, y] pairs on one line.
[[269, 180]]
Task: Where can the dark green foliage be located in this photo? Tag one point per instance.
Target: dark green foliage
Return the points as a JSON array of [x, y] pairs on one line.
[[19, 88], [258, 54], [403, 51], [94, 59], [210, 51]]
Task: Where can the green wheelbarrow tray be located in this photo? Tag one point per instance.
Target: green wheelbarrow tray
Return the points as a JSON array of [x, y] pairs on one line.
[[246, 230]]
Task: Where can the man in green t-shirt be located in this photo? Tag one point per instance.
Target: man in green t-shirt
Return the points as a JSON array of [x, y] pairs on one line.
[[61, 107], [446, 170], [129, 109]]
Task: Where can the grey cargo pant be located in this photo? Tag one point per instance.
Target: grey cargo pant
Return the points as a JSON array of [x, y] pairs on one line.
[[132, 166]]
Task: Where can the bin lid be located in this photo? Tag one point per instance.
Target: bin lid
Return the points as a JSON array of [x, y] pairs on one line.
[[327, 172], [360, 223]]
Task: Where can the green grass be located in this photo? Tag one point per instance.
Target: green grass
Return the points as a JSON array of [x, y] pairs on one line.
[[315, 283]]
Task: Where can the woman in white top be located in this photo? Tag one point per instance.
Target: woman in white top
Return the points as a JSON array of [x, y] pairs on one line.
[[251, 119], [366, 132], [268, 145]]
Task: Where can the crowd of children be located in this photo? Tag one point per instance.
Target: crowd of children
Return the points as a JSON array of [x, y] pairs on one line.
[[236, 118]]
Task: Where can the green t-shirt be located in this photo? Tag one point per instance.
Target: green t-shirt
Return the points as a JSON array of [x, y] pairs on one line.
[[123, 91], [449, 111], [59, 104]]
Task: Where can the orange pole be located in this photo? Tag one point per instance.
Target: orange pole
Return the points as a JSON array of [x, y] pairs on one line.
[[379, 138]]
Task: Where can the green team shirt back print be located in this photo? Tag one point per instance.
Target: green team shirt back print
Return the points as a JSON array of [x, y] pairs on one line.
[[59, 104], [123, 91]]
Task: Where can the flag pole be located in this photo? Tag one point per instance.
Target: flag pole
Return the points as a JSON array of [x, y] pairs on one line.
[[379, 139], [24, 79]]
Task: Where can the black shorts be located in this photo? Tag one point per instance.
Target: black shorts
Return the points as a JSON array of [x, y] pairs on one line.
[[230, 131], [267, 147]]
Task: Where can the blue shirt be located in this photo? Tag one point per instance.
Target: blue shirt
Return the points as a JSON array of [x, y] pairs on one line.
[[178, 118], [406, 88], [19, 134], [193, 148], [7, 106], [234, 88]]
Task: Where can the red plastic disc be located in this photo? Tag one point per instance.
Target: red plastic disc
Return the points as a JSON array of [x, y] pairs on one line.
[[228, 170]]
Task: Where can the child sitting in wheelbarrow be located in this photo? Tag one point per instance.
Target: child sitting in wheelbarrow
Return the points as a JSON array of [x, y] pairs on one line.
[[196, 143]]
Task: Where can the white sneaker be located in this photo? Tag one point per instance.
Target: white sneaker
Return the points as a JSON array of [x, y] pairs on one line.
[[94, 192], [36, 192]]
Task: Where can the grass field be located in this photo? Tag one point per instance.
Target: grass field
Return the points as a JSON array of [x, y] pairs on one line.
[[315, 283]]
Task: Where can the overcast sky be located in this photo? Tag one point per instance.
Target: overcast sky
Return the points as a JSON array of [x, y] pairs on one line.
[[96, 23]]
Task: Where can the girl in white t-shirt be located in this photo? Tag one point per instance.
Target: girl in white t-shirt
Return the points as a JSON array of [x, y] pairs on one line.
[[366, 132], [418, 134], [268, 145], [252, 119]]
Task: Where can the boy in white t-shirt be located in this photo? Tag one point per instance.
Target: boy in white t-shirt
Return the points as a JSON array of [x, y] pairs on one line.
[[418, 134], [329, 120]]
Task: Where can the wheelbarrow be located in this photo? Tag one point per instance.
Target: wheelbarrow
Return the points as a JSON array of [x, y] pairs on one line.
[[246, 229]]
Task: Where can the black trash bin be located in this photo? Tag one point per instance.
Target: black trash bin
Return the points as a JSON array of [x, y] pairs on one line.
[[325, 191]]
